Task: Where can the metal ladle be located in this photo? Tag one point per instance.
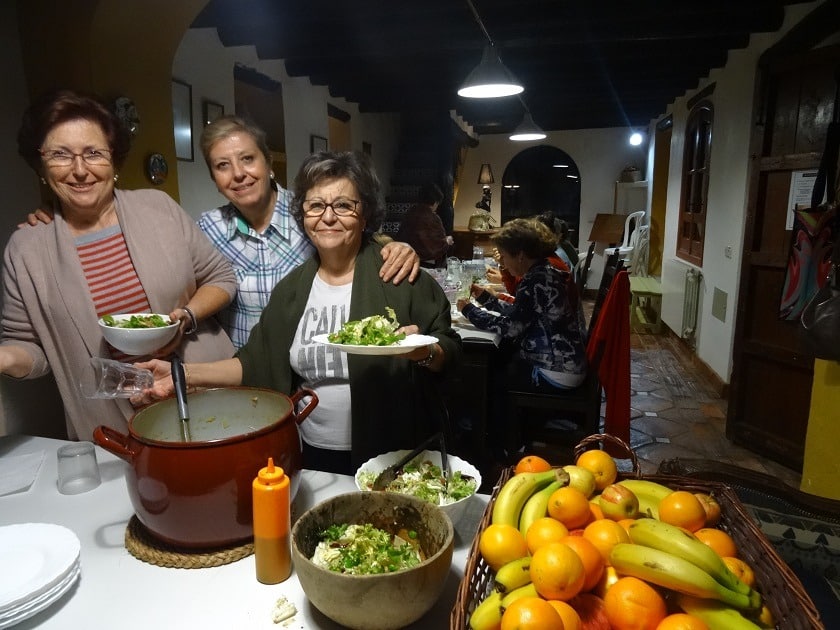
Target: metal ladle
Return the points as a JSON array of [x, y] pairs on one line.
[[179, 381]]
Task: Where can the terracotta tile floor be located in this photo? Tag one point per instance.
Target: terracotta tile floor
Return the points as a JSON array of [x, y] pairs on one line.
[[675, 412]]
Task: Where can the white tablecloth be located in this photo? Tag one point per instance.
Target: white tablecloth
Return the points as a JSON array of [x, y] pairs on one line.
[[116, 590]]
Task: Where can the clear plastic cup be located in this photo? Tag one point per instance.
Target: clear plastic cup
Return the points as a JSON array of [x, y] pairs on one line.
[[112, 379]]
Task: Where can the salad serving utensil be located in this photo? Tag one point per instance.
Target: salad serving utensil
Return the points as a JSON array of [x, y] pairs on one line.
[[389, 474]]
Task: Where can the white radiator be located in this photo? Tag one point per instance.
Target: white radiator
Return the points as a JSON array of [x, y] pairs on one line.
[[681, 284]]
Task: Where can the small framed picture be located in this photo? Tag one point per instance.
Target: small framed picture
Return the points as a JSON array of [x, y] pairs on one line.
[[211, 110], [317, 143], [182, 118]]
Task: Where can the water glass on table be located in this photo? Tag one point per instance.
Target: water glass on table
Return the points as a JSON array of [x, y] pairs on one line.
[[78, 470]]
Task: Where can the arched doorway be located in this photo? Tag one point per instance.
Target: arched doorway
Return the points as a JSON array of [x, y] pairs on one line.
[[542, 179]]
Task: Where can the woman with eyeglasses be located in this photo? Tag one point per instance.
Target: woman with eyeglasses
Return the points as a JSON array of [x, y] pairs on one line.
[[107, 251], [367, 404]]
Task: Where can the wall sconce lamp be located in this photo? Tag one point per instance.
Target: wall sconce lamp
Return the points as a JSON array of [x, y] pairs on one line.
[[485, 178]]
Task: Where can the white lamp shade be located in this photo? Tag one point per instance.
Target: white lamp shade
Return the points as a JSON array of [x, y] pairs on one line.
[[490, 78], [527, 130]]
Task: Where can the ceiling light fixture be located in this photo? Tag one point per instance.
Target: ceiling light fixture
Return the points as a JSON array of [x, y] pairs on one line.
[[527, 130], [490, 78], [636, 138]]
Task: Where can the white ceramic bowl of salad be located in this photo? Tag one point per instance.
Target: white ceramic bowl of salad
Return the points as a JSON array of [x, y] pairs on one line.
[[423, 479], [138, 334]]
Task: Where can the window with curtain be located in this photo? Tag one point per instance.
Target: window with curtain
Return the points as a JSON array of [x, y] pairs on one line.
[[695, 184]]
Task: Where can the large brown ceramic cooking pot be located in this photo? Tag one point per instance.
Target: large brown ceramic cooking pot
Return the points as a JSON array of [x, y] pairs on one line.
[[198, 493]]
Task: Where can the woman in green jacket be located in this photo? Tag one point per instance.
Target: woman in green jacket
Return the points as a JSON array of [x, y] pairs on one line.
[[367, 404]]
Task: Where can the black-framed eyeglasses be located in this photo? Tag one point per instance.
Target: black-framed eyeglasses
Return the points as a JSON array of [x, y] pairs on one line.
[[63, 157], [342, 207]]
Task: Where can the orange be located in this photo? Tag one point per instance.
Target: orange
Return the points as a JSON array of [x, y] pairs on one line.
[[570, 617], [601, 464], [500, 544], [682, 509], [531, 613], [718, 540], [632, 604], [605, 534], [741, 569], [569, 506], [557, 571], [593, 563], [543, 531], [626, 523], [531, 463], [682, 621]]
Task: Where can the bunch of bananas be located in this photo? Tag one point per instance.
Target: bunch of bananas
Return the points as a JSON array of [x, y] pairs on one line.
[[524, 497]]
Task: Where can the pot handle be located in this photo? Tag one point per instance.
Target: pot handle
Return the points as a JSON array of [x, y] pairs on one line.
[[300, 416], [114, 442]]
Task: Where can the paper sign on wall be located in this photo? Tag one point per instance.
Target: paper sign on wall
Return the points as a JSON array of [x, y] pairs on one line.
[[801, 188]]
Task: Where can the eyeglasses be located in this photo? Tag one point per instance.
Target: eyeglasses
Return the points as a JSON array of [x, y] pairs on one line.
[[341, 207], [62, 157]]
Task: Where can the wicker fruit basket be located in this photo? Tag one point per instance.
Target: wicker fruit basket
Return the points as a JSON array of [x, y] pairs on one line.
[[781, 590]]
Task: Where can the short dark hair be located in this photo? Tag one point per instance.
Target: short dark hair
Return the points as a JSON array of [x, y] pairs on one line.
[[430, 194], [355, 166], [530, 236], [61, 106]]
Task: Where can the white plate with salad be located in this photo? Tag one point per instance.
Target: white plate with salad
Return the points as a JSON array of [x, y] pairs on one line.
[[406, 344], [375, 335]]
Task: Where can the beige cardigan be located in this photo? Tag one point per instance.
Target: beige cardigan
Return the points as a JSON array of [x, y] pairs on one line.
[[48, 310]]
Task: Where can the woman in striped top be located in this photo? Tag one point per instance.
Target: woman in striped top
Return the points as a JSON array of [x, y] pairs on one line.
[[107, 251]]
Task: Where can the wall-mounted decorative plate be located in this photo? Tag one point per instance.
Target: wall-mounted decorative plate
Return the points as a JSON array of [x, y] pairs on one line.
[[156, 168]]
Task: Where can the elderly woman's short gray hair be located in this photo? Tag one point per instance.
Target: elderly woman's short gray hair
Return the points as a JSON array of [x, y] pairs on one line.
[[355, 166]]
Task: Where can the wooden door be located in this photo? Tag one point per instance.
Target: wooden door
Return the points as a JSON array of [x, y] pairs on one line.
[[772, 374]]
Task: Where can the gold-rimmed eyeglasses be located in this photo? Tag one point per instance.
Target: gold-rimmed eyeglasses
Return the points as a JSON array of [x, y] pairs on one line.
[[342, 207], [63, 157]]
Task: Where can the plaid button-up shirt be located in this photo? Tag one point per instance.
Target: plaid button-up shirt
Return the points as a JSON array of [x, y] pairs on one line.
[[259, 260]]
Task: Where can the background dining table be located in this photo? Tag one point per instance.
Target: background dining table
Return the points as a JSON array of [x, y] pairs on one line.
[[116, 590]]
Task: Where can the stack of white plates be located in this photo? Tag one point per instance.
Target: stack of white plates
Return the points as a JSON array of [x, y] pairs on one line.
[[41, 564]]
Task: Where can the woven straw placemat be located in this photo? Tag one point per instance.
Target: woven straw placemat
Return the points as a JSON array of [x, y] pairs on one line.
[[143, 546]]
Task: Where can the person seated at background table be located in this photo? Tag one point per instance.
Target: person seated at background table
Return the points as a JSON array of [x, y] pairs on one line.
[[368, 404], [542, 330], [255, 230], [564, 244], [106, 251], [423, 229]]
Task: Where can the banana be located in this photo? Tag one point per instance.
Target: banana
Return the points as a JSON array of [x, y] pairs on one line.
[[513, 495], [666, 569], [514, 574], [716, 615], [536, 506], [665, 537], [488, 614], [529, 590], [649, 494]]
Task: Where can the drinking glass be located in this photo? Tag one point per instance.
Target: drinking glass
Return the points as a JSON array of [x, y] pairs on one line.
[[112, 379], [78, 470]]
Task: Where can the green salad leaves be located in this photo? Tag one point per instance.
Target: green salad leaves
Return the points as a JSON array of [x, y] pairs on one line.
[[424, 480], [366, 550], [137, 321], [375, 330]]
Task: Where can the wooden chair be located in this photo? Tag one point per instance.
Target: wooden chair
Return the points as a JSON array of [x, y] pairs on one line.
[[581, 270], [581, 405]]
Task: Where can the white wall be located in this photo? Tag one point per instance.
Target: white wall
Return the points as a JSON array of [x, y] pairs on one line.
[[728, 189], [204, 63], [600, 155], [33, 406]]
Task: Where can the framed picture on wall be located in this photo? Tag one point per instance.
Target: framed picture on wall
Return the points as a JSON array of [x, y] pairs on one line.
[[317, 143], [182, 119], [211, 110]]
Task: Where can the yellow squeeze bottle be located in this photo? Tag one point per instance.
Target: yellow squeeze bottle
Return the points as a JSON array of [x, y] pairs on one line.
[[272, 551]]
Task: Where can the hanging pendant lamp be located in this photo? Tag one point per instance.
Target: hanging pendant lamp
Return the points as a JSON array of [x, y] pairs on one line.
[[490, 78], [527, 130]]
